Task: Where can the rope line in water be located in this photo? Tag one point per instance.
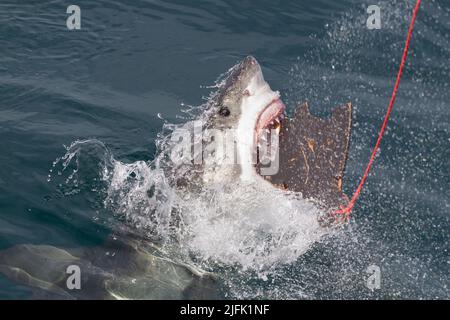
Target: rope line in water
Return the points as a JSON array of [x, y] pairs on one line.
[[348, 209]]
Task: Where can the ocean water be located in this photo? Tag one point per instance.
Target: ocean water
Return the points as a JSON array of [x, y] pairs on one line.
[[82, 111]]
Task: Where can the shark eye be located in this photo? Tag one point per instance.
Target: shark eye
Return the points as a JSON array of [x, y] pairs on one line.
[[246, 93], [224, 111]]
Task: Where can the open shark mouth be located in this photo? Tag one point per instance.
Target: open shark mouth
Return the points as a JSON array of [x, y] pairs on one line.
[[270, 119]]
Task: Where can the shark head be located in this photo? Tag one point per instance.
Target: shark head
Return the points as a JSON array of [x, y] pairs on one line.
[[310, 152], [247, 106]]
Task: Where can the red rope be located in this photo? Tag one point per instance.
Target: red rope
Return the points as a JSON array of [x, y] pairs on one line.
[[347, 210]]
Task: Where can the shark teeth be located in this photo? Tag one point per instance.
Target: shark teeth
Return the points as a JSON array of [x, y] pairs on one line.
[[269, 122], [274, 125]]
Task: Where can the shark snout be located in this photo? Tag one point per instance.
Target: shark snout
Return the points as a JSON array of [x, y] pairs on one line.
[[251, 67], [250, 61], [247, 70]]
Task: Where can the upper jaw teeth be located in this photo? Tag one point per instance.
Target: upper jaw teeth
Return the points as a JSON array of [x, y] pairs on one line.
[[275, 124]]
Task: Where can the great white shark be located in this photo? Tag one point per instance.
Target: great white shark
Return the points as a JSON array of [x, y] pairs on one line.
[[311, 155]]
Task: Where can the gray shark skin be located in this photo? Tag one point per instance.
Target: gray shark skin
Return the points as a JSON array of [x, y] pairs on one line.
[[227, 101]]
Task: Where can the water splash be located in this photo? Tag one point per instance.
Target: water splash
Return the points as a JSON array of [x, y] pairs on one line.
[[255, 227]]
